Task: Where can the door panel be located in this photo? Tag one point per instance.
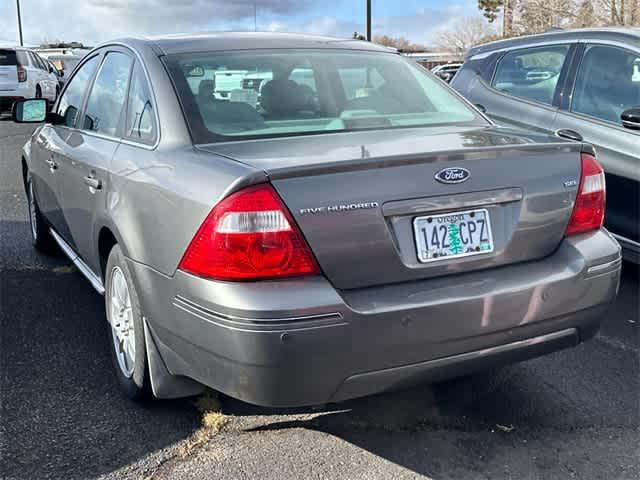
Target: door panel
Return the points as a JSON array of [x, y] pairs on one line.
[[617, 151], [85, 157], [89, 151], [525, 86], [607, 83], [45, 172]]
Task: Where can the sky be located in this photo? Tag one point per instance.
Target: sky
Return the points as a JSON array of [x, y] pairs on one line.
[[96, 21]]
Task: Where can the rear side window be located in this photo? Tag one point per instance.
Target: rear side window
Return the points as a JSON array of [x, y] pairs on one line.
[[531, 73], [23, 60], [71, 100], [8, 58], [106, 100], [608, 83], [140, 122], [34, 61]]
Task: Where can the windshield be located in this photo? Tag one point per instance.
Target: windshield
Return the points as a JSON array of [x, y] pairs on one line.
[[292, 92]]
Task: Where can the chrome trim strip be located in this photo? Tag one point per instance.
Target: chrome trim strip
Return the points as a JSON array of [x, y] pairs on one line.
[[77, 261], [604, 266], [267, 325], [627, 241], [541, 43]]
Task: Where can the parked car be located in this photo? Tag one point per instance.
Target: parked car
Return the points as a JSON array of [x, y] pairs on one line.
[[59, 74], [585, 81], [446, 71], [24, 74], [326, 247]]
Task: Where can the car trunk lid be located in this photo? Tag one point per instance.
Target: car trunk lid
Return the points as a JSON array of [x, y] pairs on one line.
[[357, 196]]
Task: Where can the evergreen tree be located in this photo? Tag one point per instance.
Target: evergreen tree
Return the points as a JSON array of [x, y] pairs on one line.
[[454, 239]]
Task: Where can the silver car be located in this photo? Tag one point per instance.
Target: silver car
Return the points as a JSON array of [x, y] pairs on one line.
[[583, 84], [353, 227]]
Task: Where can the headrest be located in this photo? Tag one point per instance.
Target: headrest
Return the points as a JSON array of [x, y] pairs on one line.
[[284, 97], [206, 89]]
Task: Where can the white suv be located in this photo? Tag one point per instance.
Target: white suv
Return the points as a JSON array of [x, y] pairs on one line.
[[24, 74]]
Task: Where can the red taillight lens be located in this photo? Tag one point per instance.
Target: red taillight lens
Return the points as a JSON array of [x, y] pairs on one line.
[[22, 74], [249, 235], [588, 211]]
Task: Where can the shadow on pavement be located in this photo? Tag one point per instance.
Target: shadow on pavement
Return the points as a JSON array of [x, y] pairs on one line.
[[575, 409], [62, 414]]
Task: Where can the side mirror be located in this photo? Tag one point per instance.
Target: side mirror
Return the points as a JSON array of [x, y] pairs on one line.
[[50, 69], [33, 110], [631, 118]]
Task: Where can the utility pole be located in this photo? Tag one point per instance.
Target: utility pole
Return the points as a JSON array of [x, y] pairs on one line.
[[19, 22], [255, 15], [368, 20]]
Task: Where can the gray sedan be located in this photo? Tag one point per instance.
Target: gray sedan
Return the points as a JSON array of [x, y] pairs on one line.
[[345, 226]]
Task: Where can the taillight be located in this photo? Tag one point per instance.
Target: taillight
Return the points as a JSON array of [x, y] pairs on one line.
[[588, 211], [249, 235], [22, 74]]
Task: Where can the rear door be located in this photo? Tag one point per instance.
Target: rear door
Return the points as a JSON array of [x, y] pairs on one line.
[[8, 70], [607, 82], [89, 149], [49, 147], [525, 87]]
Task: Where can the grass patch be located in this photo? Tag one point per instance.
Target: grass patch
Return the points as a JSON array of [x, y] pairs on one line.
[[212, 422]]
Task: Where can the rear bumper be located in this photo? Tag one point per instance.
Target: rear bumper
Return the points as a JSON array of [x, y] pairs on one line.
[[300, 342]]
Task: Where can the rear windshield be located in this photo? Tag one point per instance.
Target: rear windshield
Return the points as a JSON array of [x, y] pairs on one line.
[[292, 92], [7, 58]]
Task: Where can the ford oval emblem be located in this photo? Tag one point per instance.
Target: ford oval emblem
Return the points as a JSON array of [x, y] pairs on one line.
[[453, 175]]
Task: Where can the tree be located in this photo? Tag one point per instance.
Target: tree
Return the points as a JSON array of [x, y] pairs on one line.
[[537, 16], [455, 245], [491, 9], [586, 16], [619, 12], [463, 34], [400, 43]]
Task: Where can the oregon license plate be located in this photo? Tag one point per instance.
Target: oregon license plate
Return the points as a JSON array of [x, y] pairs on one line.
[[452, 235]]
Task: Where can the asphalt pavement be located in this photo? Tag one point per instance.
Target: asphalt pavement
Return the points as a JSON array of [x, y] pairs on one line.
[[573, 414]]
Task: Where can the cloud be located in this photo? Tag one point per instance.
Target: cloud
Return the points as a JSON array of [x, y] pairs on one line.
[[95, 21]]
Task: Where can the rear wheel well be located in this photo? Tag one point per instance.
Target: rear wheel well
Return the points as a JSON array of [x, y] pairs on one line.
[[106, 241]]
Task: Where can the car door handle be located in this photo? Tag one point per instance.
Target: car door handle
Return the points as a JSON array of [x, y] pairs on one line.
[[570, 134], [52, 164], [93, 182]]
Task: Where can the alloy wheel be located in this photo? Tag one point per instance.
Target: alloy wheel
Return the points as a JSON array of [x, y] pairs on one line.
[[121, 320]]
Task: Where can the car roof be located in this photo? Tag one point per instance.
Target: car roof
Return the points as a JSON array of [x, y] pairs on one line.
[[225, 41], [630, 36]]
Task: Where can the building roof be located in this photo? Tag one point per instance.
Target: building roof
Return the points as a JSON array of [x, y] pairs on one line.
[[183, 43]]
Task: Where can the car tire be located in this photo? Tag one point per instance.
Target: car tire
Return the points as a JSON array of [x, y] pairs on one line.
[[38, 92], [40, 234], [126, 332]]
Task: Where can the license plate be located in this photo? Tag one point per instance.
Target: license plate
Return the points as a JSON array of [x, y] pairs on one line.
[[452, 235]]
